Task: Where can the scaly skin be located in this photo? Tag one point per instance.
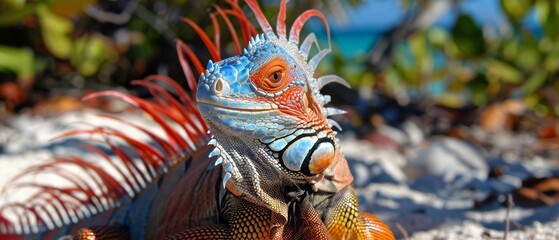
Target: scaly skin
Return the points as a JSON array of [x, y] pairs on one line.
[[279, 152], [275, 171]]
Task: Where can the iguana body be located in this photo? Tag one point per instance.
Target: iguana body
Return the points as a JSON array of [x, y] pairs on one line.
[[272, 168]]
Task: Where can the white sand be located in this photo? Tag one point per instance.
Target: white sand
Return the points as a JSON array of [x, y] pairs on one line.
[[400, 187]]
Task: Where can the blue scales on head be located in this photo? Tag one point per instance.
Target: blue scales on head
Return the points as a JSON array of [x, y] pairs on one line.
[[268, 95], [228, 96]]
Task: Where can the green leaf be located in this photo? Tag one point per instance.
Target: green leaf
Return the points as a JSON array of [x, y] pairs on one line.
[[510, 49], [69, 8], [516, 10], [528, 55], [56, 32], [551, 62], [535, 82], [418, 47], [16, 15], [437, 36], [422, 53], [468, 37], [503, 72], [451, 100], [541, 110], [90, 53], [392, 79], [18, 60], [406, 64], [478, 88], [550, 25], [531, 100], [13, 4]]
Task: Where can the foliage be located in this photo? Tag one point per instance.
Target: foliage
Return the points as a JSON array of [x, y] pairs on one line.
[[466, 64], [91, 43], [77, 44]]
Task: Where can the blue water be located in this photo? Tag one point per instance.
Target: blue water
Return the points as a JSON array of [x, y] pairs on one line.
[[353, 45]]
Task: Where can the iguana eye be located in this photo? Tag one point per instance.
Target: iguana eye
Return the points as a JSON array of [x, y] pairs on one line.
[[275, 77], [271, 77]]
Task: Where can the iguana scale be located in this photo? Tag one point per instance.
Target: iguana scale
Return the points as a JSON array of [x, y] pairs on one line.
[[257, 158]]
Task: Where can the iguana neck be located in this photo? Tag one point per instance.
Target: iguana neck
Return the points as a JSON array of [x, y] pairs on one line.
[[255, 176]]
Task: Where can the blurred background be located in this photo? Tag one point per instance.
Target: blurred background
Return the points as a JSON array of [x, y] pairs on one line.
[[458, 92], [472, 59]]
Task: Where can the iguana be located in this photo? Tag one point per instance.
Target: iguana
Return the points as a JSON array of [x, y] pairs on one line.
[[256, 159]]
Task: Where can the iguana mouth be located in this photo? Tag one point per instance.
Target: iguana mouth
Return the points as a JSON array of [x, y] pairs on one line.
[[237, 109]]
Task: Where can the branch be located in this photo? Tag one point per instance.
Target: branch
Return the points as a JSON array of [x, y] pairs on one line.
[[115, 18], [419, 17]]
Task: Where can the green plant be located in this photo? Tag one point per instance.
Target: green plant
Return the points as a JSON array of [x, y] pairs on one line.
[[470, 65]]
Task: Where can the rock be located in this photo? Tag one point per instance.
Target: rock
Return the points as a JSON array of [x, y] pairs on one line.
[[369, 163], [448, 157], [414, 132], [377, 172]]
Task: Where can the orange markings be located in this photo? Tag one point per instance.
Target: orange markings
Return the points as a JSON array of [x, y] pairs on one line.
[[375, 227], [321, 158], [272, 77]]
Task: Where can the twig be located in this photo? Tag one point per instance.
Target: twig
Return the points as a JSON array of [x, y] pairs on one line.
[[510, 204], [133, 8], [159, 25], [115, 18], [517, 225], [382, 51], [403, 231]]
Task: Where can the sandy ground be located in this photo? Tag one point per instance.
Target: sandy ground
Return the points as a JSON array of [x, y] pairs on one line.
[[428, 190]]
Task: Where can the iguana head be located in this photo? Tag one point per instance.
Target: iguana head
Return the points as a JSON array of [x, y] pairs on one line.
[[265, 109], [269, 98]]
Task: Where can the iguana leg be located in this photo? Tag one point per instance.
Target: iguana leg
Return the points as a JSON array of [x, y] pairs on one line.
[[102, 233], [306, 223], [244, 221], [375, 227], [206, 232], [347, 222]]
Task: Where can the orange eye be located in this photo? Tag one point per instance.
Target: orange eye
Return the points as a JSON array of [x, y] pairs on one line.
[[276, 76], [271, 77]]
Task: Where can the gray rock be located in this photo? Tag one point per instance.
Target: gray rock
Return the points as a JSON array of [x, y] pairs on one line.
[[371, 164], [448, 157]]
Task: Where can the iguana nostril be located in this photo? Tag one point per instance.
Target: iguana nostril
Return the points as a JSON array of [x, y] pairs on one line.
[[220, 86]]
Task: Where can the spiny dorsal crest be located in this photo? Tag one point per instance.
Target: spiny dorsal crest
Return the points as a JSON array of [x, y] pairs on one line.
[[299, 52], [291, 45]]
